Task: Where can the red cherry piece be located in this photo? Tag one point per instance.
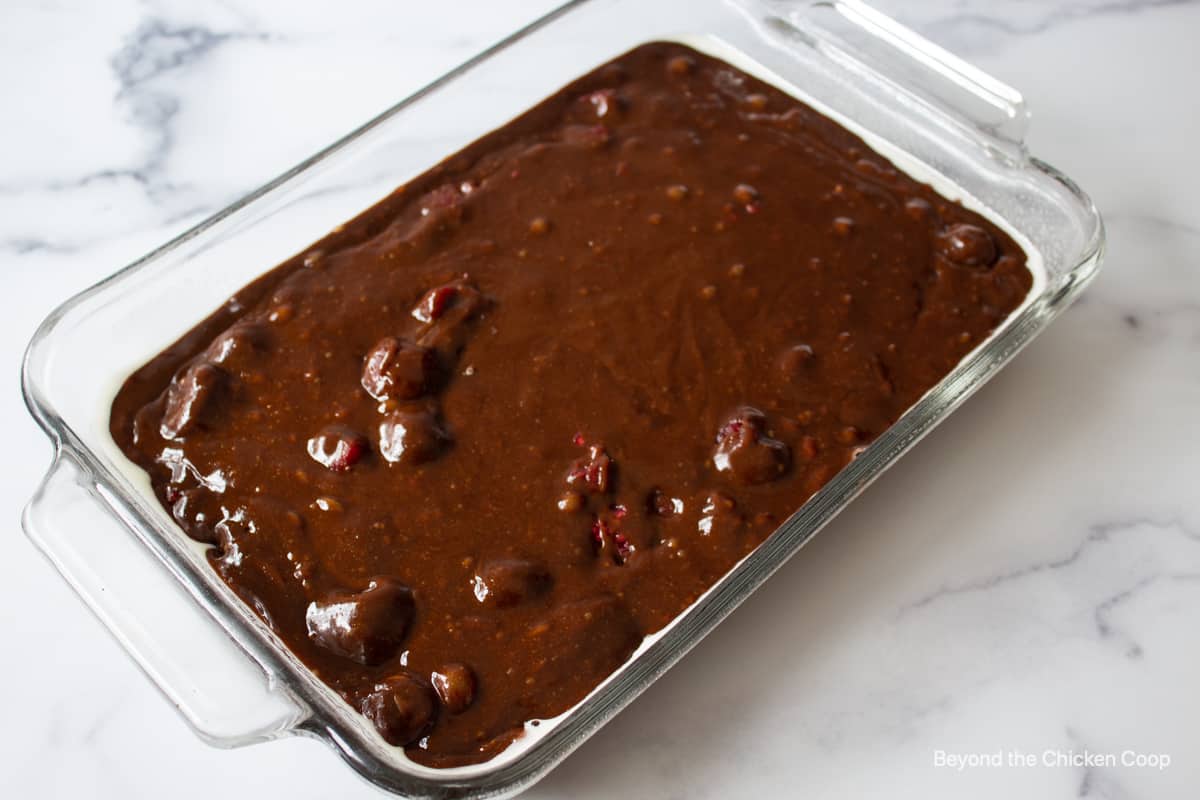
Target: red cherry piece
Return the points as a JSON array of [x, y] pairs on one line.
[[591, 474], [622, 548], [660, 504], [337, 448], [606, 537], [599, 532], [434, 303], [746, 452]]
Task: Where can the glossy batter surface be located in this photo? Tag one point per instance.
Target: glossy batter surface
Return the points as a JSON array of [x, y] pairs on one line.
[[465, 453]]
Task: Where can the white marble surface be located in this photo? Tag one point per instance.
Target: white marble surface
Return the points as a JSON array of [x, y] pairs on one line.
[[1027, 580]]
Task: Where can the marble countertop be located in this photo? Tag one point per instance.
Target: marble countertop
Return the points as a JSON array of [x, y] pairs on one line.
[[1026, 582]]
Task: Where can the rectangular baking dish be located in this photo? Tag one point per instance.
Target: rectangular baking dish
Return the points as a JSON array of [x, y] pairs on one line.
[[228, 675]]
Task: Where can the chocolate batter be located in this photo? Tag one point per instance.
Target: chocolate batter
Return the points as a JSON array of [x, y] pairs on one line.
[[463, 454]]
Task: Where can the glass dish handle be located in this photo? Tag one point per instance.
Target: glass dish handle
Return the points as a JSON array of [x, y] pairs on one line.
[[224, 695], [908, 65]]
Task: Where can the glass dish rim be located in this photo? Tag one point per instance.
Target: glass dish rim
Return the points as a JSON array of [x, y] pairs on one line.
[[694, 623]]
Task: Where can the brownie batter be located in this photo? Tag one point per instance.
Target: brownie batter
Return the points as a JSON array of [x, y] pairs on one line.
[[464, 453]]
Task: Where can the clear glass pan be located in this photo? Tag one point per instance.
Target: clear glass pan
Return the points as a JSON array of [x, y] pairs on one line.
[[231, 679]]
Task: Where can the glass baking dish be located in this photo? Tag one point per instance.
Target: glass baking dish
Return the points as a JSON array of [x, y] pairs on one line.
[[230, 678]]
